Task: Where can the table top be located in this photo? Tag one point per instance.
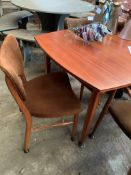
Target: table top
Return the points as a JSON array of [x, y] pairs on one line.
[[10, 20], [55, 6], [23, 34], [104, 66]]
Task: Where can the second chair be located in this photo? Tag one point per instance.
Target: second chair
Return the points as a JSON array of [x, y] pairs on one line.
[[46, 96]]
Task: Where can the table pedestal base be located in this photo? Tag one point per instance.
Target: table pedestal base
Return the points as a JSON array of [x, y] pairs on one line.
[[49, 21]]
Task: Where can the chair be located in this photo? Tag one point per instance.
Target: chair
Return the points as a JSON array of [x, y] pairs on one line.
[[75, 22], [47, 96], [121, 112]]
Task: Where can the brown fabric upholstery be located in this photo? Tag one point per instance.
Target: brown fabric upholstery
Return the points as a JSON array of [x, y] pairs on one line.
[[121, 112], [11, 62], [51, 96], [75, 22]]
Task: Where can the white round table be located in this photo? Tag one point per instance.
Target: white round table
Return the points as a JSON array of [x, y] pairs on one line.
[[50, 11]]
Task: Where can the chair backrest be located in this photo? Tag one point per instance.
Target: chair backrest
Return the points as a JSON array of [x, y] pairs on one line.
[[75, 22], [11, 63]]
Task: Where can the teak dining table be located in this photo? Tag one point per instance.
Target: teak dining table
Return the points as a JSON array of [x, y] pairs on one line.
[[102, 66]]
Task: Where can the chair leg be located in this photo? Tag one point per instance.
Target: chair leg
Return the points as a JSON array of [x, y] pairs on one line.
[[128, 90], [75, 124], [25, 111], [81, 91], [102, 114], [91, 135], [47, 64], [27, 136]]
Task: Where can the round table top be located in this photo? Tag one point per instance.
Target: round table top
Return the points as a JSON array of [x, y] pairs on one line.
[[55, 6]]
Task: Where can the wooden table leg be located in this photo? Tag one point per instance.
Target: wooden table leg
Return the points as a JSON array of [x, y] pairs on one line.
[[90, 115], [81, 91], [47, 64], [103, 112]]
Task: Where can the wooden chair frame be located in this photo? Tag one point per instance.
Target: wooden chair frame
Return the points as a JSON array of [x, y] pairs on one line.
[[28, 118], [16, 83]]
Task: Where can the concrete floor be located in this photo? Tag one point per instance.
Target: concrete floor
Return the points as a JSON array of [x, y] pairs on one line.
[[51, 151]]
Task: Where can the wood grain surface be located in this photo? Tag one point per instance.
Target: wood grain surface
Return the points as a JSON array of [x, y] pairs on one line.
[[104, 66]]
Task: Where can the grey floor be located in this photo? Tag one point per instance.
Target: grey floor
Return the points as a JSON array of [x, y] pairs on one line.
[[51, 151]]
